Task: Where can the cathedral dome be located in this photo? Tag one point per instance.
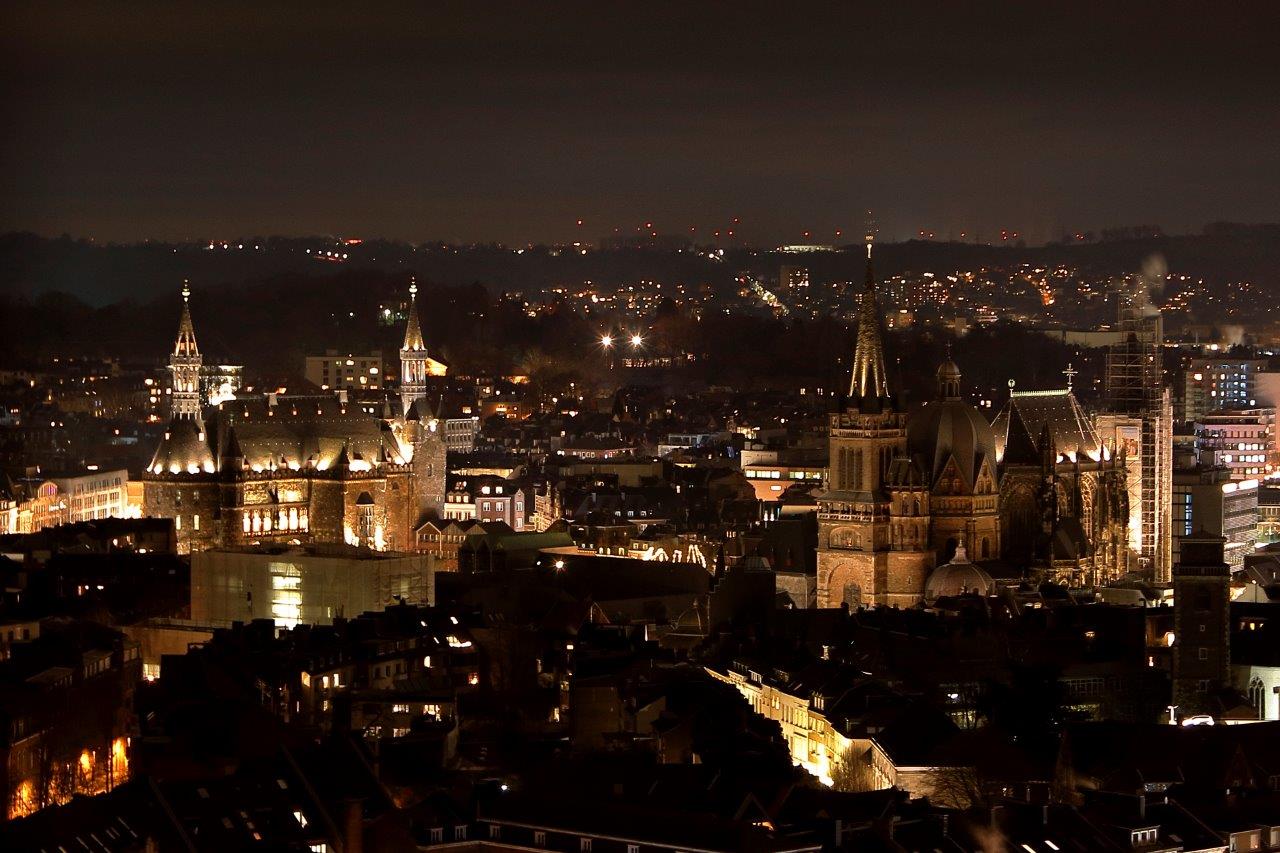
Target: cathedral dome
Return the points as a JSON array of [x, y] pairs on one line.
[[958, 577], [945, 428], [948, 371]]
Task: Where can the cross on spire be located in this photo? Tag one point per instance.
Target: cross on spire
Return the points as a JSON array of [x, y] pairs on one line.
[[1070, 373]]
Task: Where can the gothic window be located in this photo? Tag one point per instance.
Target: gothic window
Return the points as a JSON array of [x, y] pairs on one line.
[[364, 518], [1258, 697]]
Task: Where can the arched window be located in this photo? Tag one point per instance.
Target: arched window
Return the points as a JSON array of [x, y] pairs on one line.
[[1258, 697]]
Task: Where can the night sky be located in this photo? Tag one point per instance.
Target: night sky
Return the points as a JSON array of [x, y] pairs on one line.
[[510, 121]]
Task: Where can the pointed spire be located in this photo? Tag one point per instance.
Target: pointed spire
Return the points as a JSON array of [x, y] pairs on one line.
[[869, 379], [186, 345], [185, 363], [413, 356], [413, 332]]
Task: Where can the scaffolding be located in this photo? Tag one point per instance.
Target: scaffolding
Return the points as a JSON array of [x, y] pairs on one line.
[[1135, 387]]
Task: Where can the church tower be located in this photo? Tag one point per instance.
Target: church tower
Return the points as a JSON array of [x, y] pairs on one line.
[[1201, 623], [420, 427], [413, 357], [873, 515], [184, 366]]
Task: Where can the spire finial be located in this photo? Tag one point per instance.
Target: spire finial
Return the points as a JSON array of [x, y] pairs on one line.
[[1070, 373], [186, 290], [413, 288], [870, 238]]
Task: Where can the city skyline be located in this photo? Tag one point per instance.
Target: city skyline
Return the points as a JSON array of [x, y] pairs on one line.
[[691, 426]]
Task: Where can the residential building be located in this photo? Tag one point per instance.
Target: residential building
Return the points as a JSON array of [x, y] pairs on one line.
[[1206, 499], [349, 371]]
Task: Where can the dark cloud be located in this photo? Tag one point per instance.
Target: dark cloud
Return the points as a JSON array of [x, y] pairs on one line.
[[508, 121]]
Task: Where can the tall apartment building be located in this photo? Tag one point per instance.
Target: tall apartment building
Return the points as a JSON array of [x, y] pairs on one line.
[[1240, 440], [1206, 499], [334, 370], [1209, 384]]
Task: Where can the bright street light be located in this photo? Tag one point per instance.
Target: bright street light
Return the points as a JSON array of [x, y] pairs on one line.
[[606, 341], [636, 340]]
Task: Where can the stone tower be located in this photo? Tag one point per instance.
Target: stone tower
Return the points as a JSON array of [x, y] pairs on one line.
[[873, 517], [184, 366], [421, 426], [413, 357], [1201, 623]]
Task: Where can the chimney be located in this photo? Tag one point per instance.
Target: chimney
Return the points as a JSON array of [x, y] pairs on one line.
[[353, 825]]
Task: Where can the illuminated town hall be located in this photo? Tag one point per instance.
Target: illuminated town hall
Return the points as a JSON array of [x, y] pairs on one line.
[[282, 468]]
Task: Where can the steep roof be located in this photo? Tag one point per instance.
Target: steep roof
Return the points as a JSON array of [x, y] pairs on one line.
[[413, 331], [1072, 428]]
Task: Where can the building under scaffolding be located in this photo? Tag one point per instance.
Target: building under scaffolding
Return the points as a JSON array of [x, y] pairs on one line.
[[1141, 416]]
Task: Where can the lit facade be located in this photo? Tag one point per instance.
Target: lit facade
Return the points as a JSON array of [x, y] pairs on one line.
[[1064, 501], [874, 542], [1239, 440], [1141, 419], [1206, 499], [293, 469], [1219, 383], [349, 372], [309, 585]]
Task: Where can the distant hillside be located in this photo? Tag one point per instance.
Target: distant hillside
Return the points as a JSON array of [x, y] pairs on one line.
[[100, 274]]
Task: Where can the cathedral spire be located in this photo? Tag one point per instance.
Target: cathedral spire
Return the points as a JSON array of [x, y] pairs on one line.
[[185, 364], [869, 379]]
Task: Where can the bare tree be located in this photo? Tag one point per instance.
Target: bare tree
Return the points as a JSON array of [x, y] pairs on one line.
[[852, 771], [957, 787]]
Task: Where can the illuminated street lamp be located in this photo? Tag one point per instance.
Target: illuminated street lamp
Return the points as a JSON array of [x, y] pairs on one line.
[[606, 341], [636, 340]]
